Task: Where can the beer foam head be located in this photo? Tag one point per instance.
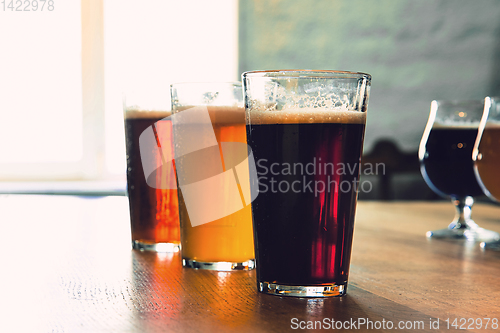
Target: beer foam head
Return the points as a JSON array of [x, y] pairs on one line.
[[135, 113], [455, 125], [305, 116], [493, 124], [227, 114], [221, 115]]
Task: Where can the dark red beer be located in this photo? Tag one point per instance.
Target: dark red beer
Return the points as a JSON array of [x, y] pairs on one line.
[[303, 231], [154, 212]]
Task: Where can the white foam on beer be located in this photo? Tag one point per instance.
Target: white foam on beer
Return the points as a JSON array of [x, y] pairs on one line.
[[455, 125], [223, 115], [134, 113], [305, 116]]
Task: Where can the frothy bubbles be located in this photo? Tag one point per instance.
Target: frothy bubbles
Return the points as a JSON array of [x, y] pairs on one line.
[[310, 103], [292, 95], [317, 100]]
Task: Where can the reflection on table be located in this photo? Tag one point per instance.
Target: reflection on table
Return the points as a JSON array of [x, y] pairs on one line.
[[69, 267]]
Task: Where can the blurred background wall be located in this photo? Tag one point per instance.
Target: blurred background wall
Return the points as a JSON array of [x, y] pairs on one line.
[[416, 51]]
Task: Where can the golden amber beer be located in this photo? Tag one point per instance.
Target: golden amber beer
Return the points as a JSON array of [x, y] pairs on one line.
[[225, 243]]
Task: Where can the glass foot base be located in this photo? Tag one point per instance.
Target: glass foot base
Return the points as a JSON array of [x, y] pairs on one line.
[[303, 291], [473, 234], [156, 247], [446, 233], [220, 266], [493, 245]]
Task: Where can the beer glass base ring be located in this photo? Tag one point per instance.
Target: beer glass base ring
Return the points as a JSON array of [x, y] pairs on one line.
[[156, 247], [446, 233], [494, 245], [303, 291], [470, 234], [219, 266]]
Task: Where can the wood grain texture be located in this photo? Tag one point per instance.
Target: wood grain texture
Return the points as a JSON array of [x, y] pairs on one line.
[[67, 266]]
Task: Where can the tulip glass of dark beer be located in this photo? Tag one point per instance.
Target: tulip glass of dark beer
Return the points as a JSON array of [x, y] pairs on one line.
[[486, 156], [446, 163], [305, 129], [152, 193]]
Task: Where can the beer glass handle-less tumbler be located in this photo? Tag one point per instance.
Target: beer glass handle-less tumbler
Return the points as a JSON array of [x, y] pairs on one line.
[[445, 155], [210, 153], [305, 128], [154, 217], [486, 156]]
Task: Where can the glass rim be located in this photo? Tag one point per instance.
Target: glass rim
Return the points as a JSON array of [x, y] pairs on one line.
[[307, 73], [458, 101], [206, 83]]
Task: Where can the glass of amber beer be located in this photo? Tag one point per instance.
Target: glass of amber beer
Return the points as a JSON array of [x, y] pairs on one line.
[[212, 176], [306, 131], [151, 187], [486, 156]]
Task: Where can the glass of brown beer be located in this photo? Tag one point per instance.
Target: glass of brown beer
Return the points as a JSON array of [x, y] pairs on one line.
[[305, 129], [151, 187], [212, 176], [446, 164], [486, 156]]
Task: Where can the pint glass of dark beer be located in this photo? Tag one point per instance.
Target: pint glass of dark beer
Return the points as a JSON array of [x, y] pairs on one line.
[[152, 192], [305, 129]]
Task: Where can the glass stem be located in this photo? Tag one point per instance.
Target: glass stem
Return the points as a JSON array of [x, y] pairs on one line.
[[463, 208]]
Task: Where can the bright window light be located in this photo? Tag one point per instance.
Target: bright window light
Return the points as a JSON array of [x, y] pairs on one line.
[[47, 131], [152, 44], [41, 85]]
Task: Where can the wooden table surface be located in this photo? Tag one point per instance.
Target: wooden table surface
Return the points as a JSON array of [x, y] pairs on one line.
[[67, 266]]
